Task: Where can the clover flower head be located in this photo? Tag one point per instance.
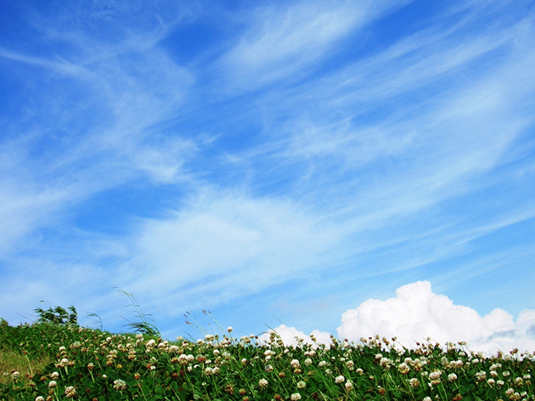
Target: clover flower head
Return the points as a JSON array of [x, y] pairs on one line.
[[435, 375], [70, 391], [301, 385], [52, 384], [295, 397], [119, 384], [404, 368], [262, 383], [339, 379]]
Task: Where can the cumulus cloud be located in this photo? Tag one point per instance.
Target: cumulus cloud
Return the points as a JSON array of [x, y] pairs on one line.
[[416, 313]]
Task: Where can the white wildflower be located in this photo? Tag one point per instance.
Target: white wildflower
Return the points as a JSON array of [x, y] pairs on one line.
[[119, 384], [262, 383]]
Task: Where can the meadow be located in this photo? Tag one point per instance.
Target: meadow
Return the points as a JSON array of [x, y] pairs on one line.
[[55, 359]]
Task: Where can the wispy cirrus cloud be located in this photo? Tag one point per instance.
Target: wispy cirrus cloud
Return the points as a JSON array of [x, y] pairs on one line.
[[278, 45]]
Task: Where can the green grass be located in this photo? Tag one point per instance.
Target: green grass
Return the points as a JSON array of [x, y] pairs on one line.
[[67, 361]]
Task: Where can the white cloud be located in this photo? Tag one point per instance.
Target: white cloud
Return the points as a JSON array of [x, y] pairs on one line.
[[224, 244], [417, 313], [279, 44]]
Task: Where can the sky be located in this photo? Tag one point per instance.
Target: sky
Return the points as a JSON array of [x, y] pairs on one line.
[[338, 167]]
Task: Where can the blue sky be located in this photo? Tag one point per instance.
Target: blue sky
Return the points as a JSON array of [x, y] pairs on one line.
[[276, 163]]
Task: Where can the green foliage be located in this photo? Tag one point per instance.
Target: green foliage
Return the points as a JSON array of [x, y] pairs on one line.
[[58, 316]]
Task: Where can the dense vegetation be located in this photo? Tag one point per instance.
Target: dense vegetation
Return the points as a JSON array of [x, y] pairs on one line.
[[56, 359]]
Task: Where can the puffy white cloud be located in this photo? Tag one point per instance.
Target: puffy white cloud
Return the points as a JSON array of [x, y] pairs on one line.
[[416, 313]]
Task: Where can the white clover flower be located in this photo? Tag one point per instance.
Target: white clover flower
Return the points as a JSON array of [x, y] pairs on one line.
[[301, 385], [435, 375], [385, 362], [229, 329], [349, 386], [329, 372], [308, 361], [263, 383], [491, 381], [339, 379], [119, 384], [500, 382], [208, 371], [295, 364], [414, 382], [404, 368], [52, 384], [15, 375], [295, 397], [452, 377], [480, 376], [173, 349], [427, 399], [269, 368], [70, 391], [39, 398], [322, 363]]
